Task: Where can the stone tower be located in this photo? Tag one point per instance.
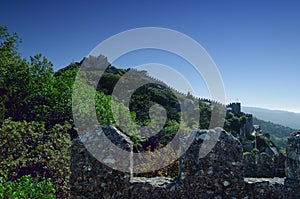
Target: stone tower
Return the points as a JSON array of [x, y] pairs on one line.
[[235, 108]]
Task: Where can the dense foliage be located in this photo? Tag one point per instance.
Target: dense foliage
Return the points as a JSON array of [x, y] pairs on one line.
[[29, 89], [35, 117], [27, 187], [27, 148]]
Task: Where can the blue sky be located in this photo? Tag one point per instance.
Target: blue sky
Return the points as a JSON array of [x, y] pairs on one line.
[[255, 44]]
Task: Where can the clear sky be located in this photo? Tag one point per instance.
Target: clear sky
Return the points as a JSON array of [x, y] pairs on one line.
[[255, 44]]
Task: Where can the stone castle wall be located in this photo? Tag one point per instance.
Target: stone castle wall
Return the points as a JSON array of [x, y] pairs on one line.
[[263, 165], [219, 174], [292, 165]]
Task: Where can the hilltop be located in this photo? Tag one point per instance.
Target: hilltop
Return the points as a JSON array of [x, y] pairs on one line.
[[157, 91]]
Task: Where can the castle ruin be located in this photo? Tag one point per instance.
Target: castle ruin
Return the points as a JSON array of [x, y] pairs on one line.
[[217, 175]]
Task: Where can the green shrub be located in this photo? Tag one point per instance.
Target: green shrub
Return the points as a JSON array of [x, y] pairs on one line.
[[27, 187], [253, 151], [27, 148]]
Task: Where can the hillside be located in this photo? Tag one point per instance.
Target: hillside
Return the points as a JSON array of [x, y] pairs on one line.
[[284, 118], [157, 92], [278, 132]]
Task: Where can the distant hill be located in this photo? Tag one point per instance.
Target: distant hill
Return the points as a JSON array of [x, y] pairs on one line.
[[279, 133], [284, 118]]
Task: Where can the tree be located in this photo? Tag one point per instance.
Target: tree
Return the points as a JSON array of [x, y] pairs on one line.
[[40, 86], [29, 90], [233, 123], [50, 95], [13, 76]]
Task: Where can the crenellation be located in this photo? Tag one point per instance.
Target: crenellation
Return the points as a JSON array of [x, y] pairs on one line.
[[219, 174]]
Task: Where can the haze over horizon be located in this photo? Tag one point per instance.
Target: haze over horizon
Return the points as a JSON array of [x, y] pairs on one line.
[[255, 44], [276, 109]]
